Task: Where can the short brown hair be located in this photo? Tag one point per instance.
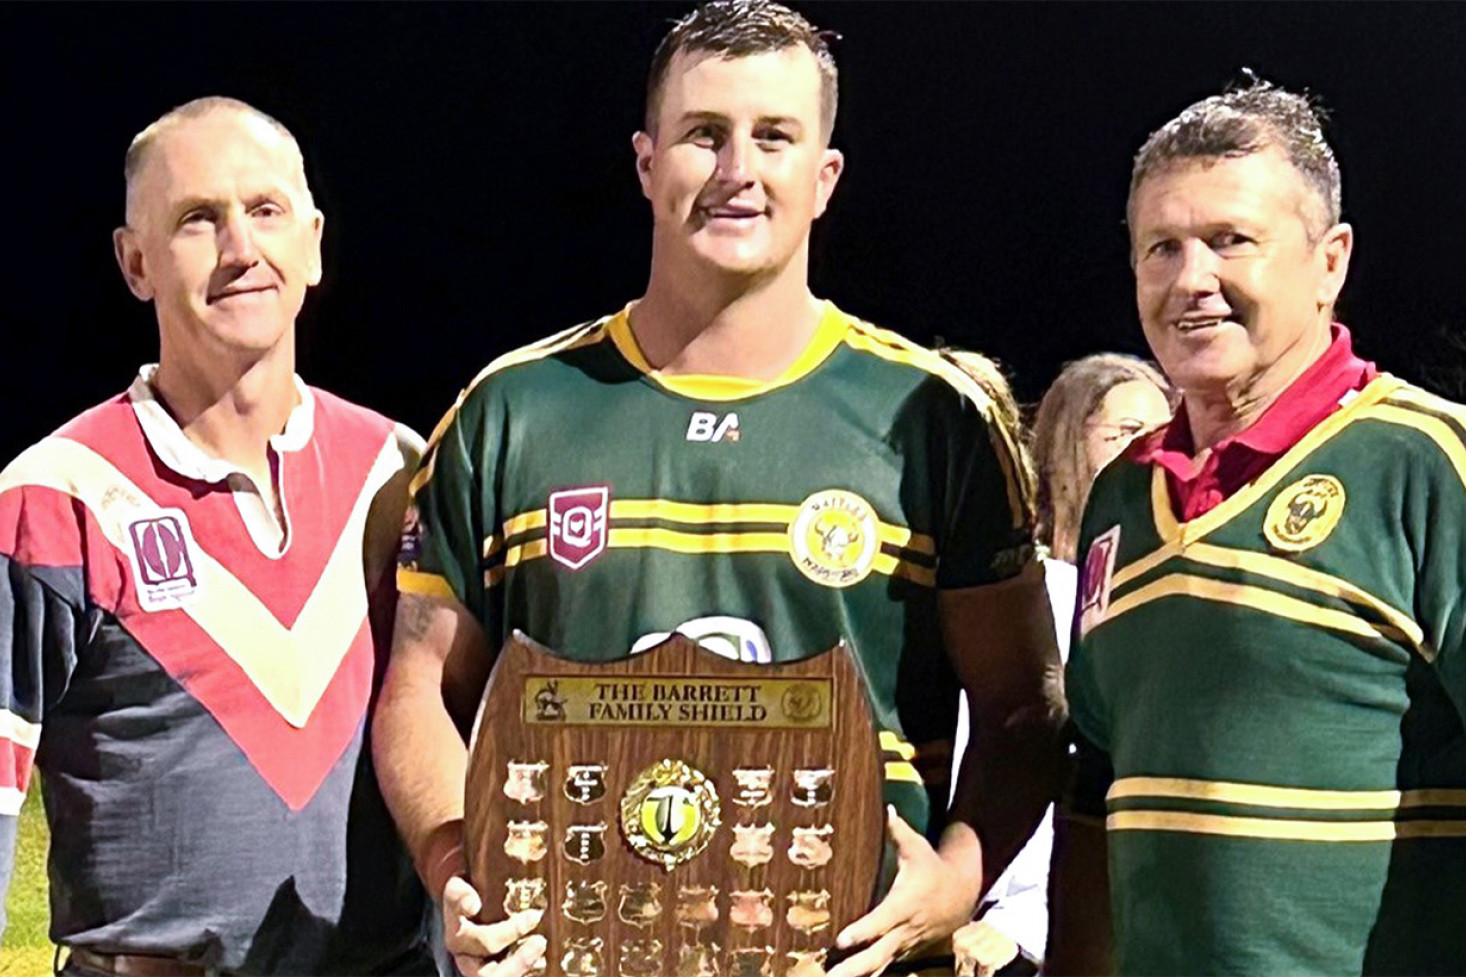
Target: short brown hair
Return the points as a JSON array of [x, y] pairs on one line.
[[738, 29], [1247, 119]]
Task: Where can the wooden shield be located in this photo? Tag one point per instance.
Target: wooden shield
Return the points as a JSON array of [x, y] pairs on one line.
[[676, 812]]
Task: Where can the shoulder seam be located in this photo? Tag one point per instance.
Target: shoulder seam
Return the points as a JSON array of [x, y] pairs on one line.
[[578, 335], [896, 348]]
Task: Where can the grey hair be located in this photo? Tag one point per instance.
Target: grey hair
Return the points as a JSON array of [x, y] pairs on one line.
[[1246, 119]]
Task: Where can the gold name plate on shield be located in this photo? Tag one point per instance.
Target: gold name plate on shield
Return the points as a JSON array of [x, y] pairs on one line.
[[659, 700]]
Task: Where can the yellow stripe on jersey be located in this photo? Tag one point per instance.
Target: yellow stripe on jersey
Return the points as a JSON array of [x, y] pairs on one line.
[[1187, 533], [902, 772], [1432, 427], [1298, 798], [1255, 598], [424, 584], [1283, 571], [584, 334], [892, 743], [1282, 829], [699, 514]]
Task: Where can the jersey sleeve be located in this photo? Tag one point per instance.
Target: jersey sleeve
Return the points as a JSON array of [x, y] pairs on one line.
[[445, 542], [1440, 552], [43, 619], [988, 512]]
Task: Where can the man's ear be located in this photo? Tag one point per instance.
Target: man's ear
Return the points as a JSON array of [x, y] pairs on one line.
[[831, 166], [313, 270], [1335, 250], [643, 144], [130, 259]]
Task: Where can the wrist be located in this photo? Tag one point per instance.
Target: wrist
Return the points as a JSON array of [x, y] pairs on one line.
[[441, 857]]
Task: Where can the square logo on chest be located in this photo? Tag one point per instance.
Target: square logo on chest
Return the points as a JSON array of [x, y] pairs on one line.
[[578, 524]]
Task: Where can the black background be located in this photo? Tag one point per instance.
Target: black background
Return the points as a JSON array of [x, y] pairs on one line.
[[475, 169]]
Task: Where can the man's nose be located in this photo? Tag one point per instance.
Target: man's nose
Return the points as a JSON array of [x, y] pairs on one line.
[[236, 240], [735, 160], [1197, 272]]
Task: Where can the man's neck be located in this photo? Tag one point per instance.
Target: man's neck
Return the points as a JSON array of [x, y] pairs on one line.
[[691, 323], [230, 409], [1215, 415]]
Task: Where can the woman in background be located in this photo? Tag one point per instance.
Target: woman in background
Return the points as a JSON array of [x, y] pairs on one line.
[[1093, 410]]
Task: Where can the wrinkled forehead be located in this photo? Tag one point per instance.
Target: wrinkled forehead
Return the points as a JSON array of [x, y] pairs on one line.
[[217, 153], [1262, 179]]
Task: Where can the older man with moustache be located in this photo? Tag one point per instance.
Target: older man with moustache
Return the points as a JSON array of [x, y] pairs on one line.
[[1269, 681], [200, 583]]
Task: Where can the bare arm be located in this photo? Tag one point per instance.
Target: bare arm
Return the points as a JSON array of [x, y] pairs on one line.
[[439, 666], [1001, 640], [1079, 899]]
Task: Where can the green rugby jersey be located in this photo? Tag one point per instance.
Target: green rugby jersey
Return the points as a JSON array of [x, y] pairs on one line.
[[1280, 685], [577, 495]]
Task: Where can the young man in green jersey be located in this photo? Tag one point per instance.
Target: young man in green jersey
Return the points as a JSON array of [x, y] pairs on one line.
[[1268, 682], [733, 459]]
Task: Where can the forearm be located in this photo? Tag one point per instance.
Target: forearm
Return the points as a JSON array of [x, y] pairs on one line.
[[1080, 935]]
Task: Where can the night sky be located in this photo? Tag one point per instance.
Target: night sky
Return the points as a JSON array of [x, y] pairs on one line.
[[475, 168]]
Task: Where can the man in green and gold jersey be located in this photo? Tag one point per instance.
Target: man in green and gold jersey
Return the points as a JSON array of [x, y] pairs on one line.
[[1269, 679], [732, 458]]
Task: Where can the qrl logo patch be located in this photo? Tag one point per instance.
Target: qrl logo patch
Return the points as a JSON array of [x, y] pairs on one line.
[[578, 525], [1095, 579], [162, 561]]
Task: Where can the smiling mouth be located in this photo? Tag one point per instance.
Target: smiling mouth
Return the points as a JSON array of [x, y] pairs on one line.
[[1197, 325], [235, 293]]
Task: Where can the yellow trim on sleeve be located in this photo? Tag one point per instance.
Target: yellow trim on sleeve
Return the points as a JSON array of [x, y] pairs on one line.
[[893, 743], [424, 584], [900, 771], [1434, 428]]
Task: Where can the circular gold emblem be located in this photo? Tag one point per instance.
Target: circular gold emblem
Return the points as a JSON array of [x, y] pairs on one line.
[[670, 813], [802, 703], [1304, 513], [833, 540]]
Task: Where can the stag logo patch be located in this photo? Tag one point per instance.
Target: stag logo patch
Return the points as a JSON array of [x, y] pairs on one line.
[[1304, 514]]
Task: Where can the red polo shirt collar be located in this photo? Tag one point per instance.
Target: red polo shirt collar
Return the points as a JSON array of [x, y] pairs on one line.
[[1235, 461]]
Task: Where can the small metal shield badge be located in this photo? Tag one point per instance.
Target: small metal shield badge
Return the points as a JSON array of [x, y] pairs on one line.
[[752, 844], [522, 895], [578, 525], [753, 962], [751, 909], [526, 782], [809, 912], [582, 957], [811, 846], [585, 783], [640, 904], [806, 963], [813, 788], [585, 902], [755, 786], [526, 841], [697, 905], [640, 958], [698, 961], [585, 843]]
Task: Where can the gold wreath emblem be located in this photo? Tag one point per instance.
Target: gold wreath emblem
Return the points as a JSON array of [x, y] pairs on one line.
[[670, 813], [1305, 513]]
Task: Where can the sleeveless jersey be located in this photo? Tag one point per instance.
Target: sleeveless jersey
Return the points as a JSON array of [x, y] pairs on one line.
[[577, 495], [1280, 685]]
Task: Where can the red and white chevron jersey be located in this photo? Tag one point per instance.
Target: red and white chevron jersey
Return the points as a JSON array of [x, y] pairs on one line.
[[195, 693]]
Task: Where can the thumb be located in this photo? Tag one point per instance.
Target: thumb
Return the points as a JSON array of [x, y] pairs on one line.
[[460, 898], [902, 834]]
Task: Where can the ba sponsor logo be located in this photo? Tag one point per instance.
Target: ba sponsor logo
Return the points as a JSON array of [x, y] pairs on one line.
[[707, 427], [578, 525], [162, 560], [1095, 578]]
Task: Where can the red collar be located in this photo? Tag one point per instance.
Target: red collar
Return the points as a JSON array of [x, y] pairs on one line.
[[1235, 461]]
